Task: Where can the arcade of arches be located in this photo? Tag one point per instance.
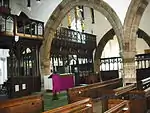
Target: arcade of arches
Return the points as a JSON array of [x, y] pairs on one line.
[[88, 41], [126, 33]]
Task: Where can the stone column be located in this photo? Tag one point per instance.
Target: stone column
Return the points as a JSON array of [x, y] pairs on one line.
[[129, 70], [128, 55], [45, 53], [96, 65], [45, 59]]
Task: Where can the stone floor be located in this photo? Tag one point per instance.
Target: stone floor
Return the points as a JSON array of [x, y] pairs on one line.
[[97, 107]]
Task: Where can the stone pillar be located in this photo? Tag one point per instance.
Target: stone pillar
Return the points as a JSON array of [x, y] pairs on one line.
[[129, 70], [96, 65], [45, 53], [128, 55], [45, 59]]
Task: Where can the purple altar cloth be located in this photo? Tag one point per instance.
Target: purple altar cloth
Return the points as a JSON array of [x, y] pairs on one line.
[[61, 83]]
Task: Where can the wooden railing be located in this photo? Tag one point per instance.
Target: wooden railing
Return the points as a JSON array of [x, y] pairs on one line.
[[76, 36], [12, 25], [83, 106]]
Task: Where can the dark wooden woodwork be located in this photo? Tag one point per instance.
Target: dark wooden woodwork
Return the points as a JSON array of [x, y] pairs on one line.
[[73, 50], [23, 68], [84, 105], [12, 25], [28, 104], [4, 6], [109, 67], [108, 75], [23, 63], [31, 84]]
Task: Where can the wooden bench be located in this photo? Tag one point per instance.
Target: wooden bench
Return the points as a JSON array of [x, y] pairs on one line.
[[28, 104], [144, 87], [93, 91], [118, 106], [85, 105], [137, 98], [143, 84], [118, 93]]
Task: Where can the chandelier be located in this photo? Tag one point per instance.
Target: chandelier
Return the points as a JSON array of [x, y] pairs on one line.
[[29, 3]]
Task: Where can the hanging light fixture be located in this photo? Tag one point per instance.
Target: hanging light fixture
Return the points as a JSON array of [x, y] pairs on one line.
[[29, 4], [38, 1]]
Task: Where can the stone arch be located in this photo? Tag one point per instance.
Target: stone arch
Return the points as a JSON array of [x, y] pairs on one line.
[[102, 43], [59, 13], [108, 36], [100, 47], [144, 36], [132, 21], [130, 27]]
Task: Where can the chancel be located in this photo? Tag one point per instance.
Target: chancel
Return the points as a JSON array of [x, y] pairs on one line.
[[74, 56]]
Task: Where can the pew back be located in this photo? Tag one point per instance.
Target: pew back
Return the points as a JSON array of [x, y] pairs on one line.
[[143, 84], [93, 91], [138, 101], [118, 106], [28, 104], [85, 105]]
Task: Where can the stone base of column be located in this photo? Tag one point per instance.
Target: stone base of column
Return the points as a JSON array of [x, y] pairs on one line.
[[130, 80], [48, 85]]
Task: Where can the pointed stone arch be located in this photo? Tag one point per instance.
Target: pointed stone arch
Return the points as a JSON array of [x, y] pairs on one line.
[[132, 21], [143, 35], [59, 13], [99, 49], [109, 36], [131, 25]]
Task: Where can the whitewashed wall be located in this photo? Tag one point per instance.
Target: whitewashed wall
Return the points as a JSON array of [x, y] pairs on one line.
[[145, 24], [3, 65]]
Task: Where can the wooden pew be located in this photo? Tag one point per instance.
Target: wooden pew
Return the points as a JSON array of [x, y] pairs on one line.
[[137, 98], [85, 105], [115, 94], [143, 84], [28, 104], [138, 102], [119, 92], [118, 106], [93, 91], [144, 88]]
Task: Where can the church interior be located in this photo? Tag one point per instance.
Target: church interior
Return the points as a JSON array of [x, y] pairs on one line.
[[74, 56]]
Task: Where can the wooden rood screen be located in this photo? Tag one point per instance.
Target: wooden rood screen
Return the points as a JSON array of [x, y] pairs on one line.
[[83, 106]]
